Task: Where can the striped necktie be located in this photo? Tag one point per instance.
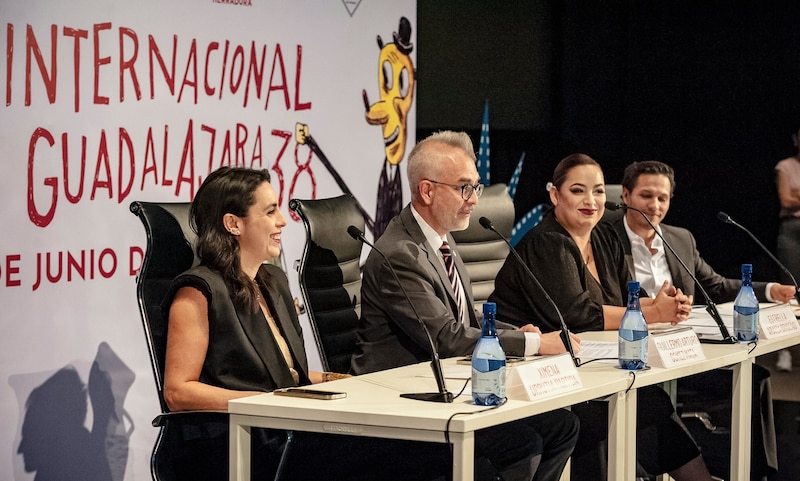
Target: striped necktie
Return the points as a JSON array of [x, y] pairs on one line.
[[452, 274]]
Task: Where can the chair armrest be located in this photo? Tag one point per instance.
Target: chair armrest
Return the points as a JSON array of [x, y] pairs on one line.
[[189, 417]]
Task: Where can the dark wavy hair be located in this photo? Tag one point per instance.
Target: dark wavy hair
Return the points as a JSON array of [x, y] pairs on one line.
[[227, 190]]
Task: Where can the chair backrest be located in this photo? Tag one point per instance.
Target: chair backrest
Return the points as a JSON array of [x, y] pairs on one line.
[[613, 194], [168, 253], [482, 250], [330, 276]]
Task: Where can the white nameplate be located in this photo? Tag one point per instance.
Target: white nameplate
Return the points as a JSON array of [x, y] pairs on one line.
[[543, 377], [778, 321], [675, 347]]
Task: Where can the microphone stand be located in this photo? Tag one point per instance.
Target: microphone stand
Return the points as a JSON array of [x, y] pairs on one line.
[[727, 220], [443, 396], [711, 308], [487, 224]]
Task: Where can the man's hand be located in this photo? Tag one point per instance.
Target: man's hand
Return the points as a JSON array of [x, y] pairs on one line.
[[781, 293], [671, 305], [551, 343]]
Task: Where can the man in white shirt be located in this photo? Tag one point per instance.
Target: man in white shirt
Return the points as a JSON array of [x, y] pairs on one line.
[[648, 186]]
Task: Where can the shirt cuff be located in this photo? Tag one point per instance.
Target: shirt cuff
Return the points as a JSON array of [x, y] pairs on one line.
[[532, 343], [769, 288]]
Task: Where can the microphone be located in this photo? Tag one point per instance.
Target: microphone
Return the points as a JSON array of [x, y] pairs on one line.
[[487, 224], [443, 396], [723, 217], [711, 308]]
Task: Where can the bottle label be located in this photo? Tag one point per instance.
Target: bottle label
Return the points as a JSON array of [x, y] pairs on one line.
[[490, 382]]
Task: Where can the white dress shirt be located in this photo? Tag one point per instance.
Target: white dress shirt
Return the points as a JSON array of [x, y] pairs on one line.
[[650, 268]]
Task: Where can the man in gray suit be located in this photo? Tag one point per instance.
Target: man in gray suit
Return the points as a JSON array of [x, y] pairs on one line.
[[444, 189], [648, 186]]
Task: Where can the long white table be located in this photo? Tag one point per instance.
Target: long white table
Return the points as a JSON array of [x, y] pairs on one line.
[[735, 356], [373, 407]]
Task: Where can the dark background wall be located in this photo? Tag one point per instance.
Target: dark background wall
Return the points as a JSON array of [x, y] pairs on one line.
[[711, 88]]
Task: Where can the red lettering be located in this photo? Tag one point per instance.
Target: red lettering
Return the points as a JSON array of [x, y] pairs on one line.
[[209, 89], [257, 155], [241, 138], [77, 35], [107, 254], [98, 62], [49, 78], [277, 63], [276, 167], [128, 63], [169, 76], [9, 59], [125, 140], [102, 162], [237, 68], [213, 133], [224, 66], [73, 199], [187, 162], [138, 253], [12, 269], [191, 68], [149, 154], [35, 217], [255, 72], [297, 104]]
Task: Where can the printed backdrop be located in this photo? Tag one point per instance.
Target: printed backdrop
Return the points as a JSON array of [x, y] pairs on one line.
[[106, 102]]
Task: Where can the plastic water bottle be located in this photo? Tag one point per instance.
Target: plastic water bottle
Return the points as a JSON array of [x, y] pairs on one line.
[[488, 363], [633, 333], [745, 308]]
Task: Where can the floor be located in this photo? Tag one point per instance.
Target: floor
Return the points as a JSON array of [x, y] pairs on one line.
[[786, 405]]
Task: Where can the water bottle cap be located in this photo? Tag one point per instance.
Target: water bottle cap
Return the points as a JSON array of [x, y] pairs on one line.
[[747, 268], [489, 308], [633, 286]]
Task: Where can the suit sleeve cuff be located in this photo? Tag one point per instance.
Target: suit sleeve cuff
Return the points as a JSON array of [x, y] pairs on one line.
[[767, 290], [532, 343]]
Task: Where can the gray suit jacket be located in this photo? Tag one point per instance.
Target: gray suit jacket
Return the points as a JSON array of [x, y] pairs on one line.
[[719, 288], [389, 334]]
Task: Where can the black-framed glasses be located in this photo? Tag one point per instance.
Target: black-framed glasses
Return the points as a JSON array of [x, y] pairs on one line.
[[466, 189]]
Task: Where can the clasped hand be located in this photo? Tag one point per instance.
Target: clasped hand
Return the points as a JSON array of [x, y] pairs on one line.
[[672, 304]]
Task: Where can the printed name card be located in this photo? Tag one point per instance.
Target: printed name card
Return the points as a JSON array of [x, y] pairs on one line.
[[543, 377], [778, 321], [674, 348]]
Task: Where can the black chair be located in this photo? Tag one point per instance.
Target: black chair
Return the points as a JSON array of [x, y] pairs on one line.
[[168, 253], [482, 251], [330, 276], [613, 194]]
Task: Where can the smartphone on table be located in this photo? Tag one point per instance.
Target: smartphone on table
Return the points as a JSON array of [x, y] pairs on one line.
[[309, 393]]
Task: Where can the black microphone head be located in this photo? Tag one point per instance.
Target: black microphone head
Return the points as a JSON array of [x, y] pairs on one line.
[[486, 223], [614, 206], [355, 232], [723, 217]]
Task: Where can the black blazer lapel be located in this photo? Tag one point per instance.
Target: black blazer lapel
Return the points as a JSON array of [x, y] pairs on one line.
[[257, 330]]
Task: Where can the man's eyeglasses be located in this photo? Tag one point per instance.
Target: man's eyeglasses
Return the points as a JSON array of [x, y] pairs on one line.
[[466, 189]]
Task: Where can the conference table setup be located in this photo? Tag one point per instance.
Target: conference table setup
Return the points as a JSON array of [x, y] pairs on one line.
[[373, 405]]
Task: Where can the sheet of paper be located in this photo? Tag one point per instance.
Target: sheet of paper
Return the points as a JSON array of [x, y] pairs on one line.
[[600, 350]]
